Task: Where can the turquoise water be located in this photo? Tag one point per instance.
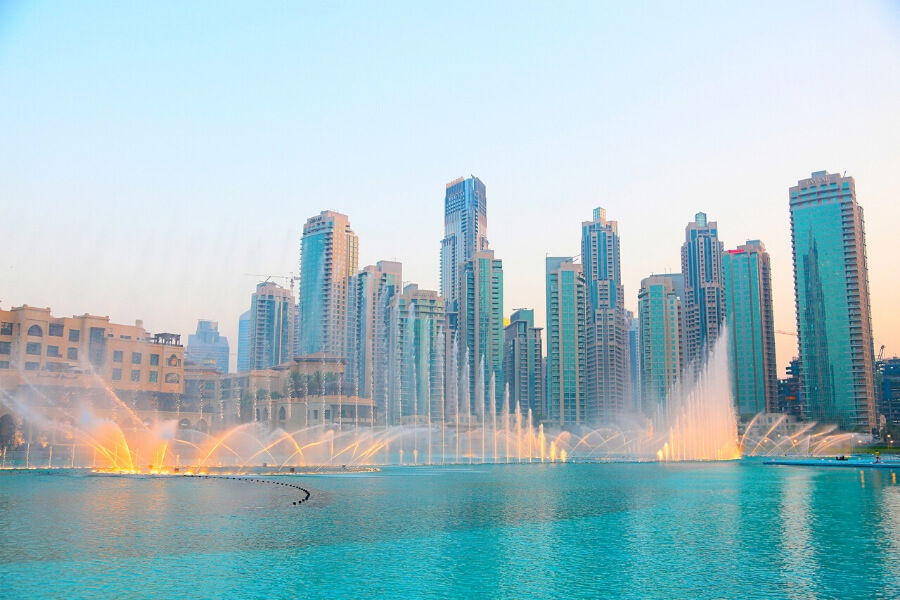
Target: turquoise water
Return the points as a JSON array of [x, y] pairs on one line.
[[711, 530]]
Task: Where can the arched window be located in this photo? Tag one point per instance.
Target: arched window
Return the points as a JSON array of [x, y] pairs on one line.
[[172, 378], [184, 424], [173, 361], [35, 331], [282, 415]]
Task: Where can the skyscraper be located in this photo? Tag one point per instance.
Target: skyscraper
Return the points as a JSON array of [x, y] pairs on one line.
[[368, 309], [244, 326], [523, 364], [607, 360], [751, 328], [328, 258], [831, 288], [416, 385], [465, 233], [271, 326], [566, 314], [659, 310], [634, 361], [704, 301], [481, 325], [207, 347]]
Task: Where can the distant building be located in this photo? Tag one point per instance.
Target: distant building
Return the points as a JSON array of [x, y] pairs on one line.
[[661, 347], [329, 257], [606, 335], [831, 288], [789, 400], [523, 366], [751, 329], [889, 405], [271, 326], [481, 325], [634, 361], [704, 293], [207, 347], [566, 330], [244, 326]]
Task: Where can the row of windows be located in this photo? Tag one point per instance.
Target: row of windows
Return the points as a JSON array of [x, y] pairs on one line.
[[55, 330], [153, 376], [136, 358]]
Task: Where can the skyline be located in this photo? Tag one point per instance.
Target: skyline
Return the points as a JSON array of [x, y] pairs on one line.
[[185, 211]]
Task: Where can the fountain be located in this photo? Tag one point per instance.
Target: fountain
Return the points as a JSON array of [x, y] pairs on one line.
[[698, 422]]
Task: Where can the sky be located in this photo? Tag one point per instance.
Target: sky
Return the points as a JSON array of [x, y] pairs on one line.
[[157, 158]]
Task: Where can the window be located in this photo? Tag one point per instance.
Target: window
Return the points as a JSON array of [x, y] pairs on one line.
[[72, 353], [53, 351], [172, 378], [74, 335], [117, 356], [35, 331], [4, 364], [173, 361], [56, 366], [6, 328], [33, 348], [154, 376], [154, 360], [32, 366], [117, 375], [135, 375], [136, 358], [5, 347], [55, 329]]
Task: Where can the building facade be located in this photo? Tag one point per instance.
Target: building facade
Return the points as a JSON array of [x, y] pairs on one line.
[[523, 364], [750, 329], [606, 370], [481, 323], [634, 361], [206, 347], [368, 315], [661, 347], [566, 330], [465, 233], [704, 290], [415, 370], [271, 326], [243, 354], [329, 257], [831, 288]]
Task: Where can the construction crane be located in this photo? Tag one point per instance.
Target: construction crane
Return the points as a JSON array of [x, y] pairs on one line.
[[291, 278], [790, 333]]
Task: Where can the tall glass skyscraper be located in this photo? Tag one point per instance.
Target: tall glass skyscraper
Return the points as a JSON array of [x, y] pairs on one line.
[[481, 325], [831, 288], [523, 364], [660, 316], [329, 256], [566, 329], [607, 333], [465, 233], [704, 292], [751, 329], [206, 347]]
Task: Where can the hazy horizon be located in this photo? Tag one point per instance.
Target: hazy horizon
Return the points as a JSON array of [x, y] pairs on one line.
[[154, 155]]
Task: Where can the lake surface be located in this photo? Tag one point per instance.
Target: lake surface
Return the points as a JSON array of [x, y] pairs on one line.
[[701, 530]]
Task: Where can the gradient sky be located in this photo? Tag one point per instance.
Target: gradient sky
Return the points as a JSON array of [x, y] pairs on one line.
[[152, 154]]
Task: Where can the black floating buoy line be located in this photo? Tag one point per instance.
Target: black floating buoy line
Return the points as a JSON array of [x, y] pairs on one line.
[[305, 491]]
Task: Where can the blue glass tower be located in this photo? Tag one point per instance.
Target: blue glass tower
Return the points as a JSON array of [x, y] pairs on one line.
[[207, 347], [704, 292], [751, 329], [831, 288], [566, 355]]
